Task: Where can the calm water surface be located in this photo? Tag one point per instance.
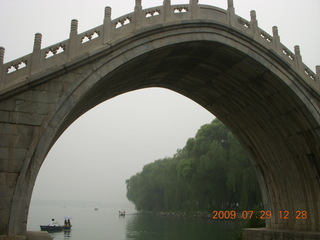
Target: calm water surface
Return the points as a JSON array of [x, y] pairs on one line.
[[105, 223]]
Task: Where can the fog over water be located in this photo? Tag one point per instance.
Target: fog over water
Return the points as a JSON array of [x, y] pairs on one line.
[[111, 142]]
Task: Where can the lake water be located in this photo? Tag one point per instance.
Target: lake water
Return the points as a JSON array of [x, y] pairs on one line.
[[105, 223]]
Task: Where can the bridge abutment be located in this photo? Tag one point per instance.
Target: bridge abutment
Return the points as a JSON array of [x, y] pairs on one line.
[[270, 234]]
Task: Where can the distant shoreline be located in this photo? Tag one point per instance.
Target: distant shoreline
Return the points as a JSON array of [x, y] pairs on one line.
[[89, 204], [198, 214]]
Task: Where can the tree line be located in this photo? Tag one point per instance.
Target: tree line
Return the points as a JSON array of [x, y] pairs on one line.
[[212, 171]]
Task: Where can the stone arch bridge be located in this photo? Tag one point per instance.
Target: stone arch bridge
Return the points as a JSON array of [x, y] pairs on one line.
[[262, 91]]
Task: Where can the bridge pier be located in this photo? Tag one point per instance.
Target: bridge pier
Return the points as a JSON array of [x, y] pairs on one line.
[[272, 234]]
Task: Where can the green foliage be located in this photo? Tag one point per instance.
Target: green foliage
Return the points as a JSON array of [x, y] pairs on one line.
[[211, 172]]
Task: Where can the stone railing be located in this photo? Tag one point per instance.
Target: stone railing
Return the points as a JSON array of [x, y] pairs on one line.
[[16, 73]]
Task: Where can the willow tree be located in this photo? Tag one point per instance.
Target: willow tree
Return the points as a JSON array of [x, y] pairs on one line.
[[211, 172]]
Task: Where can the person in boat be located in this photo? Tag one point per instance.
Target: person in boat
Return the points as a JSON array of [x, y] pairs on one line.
[[53, 223]]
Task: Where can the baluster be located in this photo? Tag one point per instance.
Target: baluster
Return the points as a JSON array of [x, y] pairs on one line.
[[73, 40], [318, 70], [167, 10], [298, 58], [231, 13], [276, 40], [137, 19], [318, 75], [138, 4], [36, 55], [107, 27], [2, 74], [193, 2], [254, 24], [194, 8]]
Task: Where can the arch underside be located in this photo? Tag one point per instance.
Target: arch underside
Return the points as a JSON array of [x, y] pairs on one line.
[[269, 119]]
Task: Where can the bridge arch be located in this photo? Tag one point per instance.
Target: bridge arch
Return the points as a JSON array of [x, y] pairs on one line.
[[262, 99]]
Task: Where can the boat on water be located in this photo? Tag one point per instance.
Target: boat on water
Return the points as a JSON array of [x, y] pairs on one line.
[[122, 212], [56, 227]]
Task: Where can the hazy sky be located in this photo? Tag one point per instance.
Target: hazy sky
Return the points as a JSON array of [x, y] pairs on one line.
[[110, 143]]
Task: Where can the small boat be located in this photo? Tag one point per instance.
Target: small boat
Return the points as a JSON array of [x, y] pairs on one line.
[[55, 228], [96, 209], [51, 228], [122, 212]]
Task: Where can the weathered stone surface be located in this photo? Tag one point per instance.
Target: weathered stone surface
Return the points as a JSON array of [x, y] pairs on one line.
[[7, 105], [38, 96], [7, 154], [7, 186]]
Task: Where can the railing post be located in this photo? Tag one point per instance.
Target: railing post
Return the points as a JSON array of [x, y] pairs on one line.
[[73, 40], [231, 15], [276, 40], [2, 72], [194, 8], [318, 76], [254, 24], [36, 54], [138, 14], [318, 71], [298, 58], [107, 28], [167, 10]]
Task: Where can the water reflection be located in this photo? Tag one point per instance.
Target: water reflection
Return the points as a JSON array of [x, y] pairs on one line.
[[149, 226], [65, 235], [106, 224]]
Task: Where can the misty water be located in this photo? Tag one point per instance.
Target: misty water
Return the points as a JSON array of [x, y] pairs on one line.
[[105, 223]]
